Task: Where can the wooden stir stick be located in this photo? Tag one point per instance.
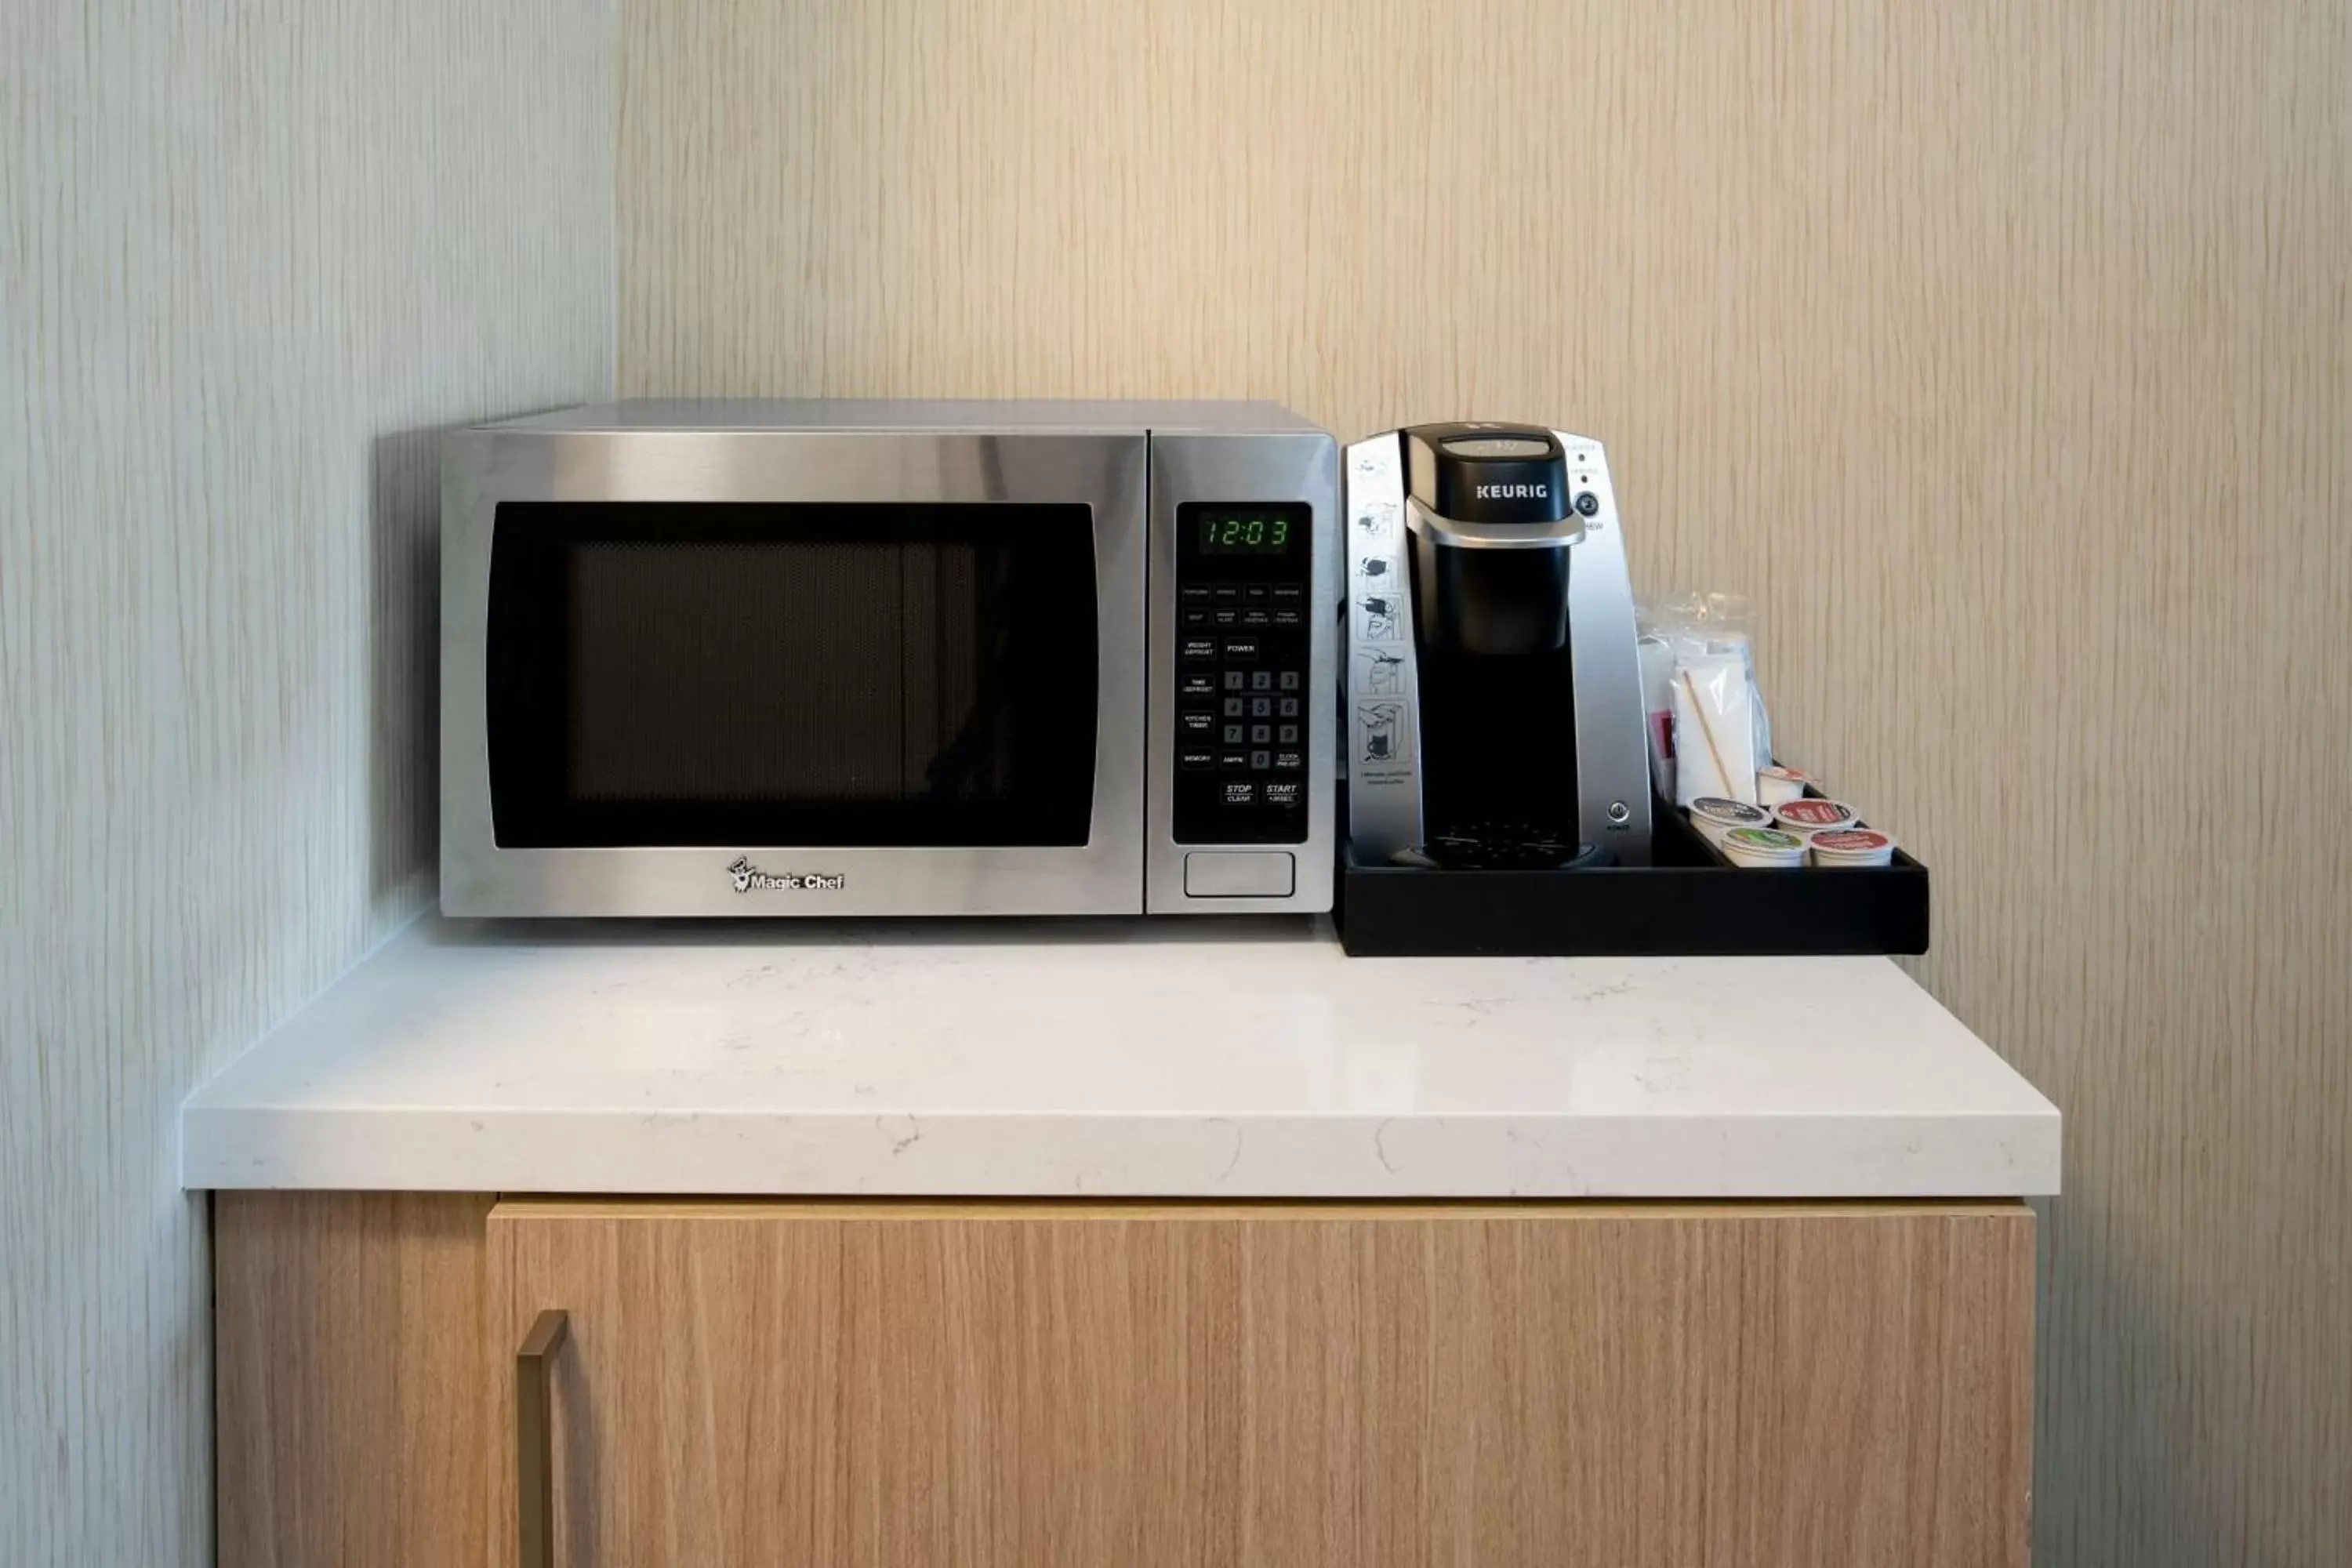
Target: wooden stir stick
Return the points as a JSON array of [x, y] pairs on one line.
[[1722, 774]]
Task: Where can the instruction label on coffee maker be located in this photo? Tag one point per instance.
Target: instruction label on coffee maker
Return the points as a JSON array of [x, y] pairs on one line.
[[1382, 735]]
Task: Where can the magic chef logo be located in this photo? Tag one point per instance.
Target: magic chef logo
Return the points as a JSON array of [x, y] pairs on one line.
[[1513, 492], [749, 878]]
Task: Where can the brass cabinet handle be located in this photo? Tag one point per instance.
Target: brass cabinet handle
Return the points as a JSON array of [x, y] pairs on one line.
[[535, 1441]]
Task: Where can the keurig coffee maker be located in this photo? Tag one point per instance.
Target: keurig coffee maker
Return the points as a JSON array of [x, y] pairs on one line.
[[1494, 693]]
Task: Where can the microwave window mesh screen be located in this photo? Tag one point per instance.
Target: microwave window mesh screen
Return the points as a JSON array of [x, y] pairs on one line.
[[732, 672], [742, 675]]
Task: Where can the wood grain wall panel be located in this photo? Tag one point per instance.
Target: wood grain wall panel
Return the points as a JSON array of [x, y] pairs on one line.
[[1065, 1384], [355, 1379], [252, 255], [1999, 351]]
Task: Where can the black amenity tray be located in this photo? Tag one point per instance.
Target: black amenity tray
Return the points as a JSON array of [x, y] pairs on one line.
[[1691, 901]]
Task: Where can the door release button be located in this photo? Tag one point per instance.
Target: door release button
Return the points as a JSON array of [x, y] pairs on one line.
[[1239, 874]]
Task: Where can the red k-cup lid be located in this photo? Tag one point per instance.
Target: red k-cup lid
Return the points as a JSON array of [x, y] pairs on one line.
[[1825, 813], [1852, 841]]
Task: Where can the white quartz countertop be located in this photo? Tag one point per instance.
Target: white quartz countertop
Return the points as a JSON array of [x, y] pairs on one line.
[[1214, 1059]]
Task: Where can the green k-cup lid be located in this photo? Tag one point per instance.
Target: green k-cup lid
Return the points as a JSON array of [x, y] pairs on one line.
[[1766, 839]]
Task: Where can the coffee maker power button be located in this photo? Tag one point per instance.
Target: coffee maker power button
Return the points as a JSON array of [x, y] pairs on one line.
[[1619, 811]]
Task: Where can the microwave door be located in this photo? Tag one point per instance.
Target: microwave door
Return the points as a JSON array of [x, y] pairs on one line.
[[720, 705]]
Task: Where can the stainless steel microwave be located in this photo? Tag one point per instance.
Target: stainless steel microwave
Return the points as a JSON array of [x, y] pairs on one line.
[[828, 657]]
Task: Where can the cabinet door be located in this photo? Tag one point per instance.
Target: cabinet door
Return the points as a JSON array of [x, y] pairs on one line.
[[1038, 1385], [352, 1379]]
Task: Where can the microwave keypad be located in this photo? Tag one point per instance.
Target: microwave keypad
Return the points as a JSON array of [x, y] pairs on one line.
[[1242, 649], [1241, 774]]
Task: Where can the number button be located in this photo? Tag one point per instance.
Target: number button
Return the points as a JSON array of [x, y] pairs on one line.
[[1233, 706], [1235, 680], [1261, 761], [1290, 707], [1233, 736], [1260, 707], [1287, 734], [1261, 734], [1290, 680], [1260, 679]]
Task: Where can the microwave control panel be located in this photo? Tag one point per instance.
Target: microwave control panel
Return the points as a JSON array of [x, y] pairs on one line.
[[1243, 583]]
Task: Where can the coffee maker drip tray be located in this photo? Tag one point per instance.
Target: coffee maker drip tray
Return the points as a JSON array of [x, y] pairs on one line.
[[1504, 847]]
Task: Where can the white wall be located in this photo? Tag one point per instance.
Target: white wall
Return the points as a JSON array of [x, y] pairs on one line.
[[251, 254], [2002, 350]]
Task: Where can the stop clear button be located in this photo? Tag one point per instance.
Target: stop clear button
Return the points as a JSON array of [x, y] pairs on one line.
[[1239, 874]]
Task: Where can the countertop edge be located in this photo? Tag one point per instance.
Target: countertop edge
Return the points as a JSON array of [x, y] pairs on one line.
[[898, 1154]]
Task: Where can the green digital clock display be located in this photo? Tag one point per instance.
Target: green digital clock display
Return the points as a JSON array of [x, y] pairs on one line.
[[1243, 532]]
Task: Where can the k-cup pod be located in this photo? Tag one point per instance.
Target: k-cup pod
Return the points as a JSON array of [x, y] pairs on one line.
[[1812, 816], [1763, 849], [1847, 846], [1775, 786], [1714, 817]]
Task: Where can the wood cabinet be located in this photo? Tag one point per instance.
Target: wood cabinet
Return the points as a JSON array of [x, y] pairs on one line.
[[905, 1385], [353, 1370]]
